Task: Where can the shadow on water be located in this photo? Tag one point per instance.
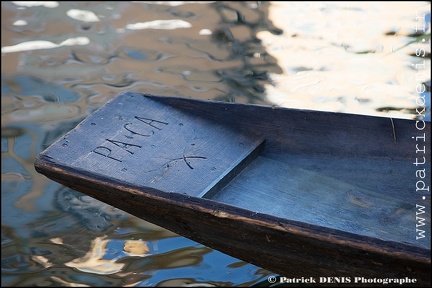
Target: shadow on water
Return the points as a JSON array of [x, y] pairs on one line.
[[52, 235]]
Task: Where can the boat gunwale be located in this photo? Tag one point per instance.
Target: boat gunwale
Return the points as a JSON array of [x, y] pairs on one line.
[[167, 99], [396, 148]]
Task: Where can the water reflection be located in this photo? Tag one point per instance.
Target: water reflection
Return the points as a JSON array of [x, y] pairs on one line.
[[63, 60], [93, 261], [345, 56]]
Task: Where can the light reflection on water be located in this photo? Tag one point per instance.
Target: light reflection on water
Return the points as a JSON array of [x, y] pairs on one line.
[[347, 57], [63, 60]]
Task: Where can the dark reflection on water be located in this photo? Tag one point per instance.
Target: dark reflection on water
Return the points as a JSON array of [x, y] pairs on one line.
[[31, 85], [54, 236]]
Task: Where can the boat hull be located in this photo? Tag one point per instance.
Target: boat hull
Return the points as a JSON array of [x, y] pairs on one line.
[[247, 196]]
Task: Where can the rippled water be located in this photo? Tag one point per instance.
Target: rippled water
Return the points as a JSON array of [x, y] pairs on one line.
[[63, 60]]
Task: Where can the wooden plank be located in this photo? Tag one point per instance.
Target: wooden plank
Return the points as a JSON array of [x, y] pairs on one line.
[[303, 195], [147, 143]]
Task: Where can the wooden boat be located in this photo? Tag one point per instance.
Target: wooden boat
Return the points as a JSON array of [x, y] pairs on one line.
[[300, 193]]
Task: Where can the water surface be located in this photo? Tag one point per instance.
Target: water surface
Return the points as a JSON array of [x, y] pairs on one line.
[[63, 60]]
